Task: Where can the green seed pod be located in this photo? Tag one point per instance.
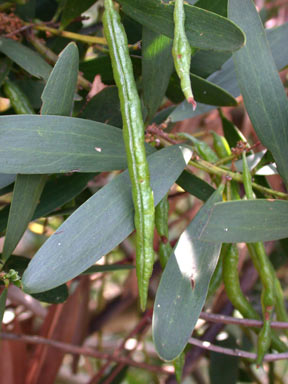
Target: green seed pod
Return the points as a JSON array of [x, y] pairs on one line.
[[182, 52], [18, 99], [221, 145], [161, 223], [133, 133]]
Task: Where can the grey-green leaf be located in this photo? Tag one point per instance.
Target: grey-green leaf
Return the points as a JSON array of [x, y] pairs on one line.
[[58, 94], [204, 92], [53, 296], [183, 287], [195, 186], [27, 191], [262, 90], [25, 57], [247, 221], [6, 179], [104, 107], [58, 144], [74, 8], [204, 29], [226, 77], [57, 192], [99, 225], [157, 67], [107, 268]]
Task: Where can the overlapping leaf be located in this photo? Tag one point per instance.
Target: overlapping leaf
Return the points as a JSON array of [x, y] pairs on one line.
[[262, 90], [183, 287], [99, 225], [247, 221], [25, 57], [226, 77], [57, 192], [57, 144], [57, 99], [204, 29], [157, 67]]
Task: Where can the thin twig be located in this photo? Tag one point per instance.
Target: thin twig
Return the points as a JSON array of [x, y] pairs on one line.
[[13, 33], [73, 349], [214, 170], [236, 352], [214, 318], [70, 35], [52, 58], [143, 322]]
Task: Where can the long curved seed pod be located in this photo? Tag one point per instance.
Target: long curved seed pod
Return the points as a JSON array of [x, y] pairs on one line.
[[236, 296], [280, 307], [18, 100], [181, 51], [133, 133], [266, 277], [161, 223]]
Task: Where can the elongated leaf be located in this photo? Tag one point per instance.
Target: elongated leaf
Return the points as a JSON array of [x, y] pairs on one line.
[[6, 179], [74, 8], [58, 95], [204, 29], [57, 144], [5, 66], [262, 90], [231, 132], [157, 67], [204, 92], [27, 191], [102, 66], [226, 77], [204, 63], [247, 221], [195, 186], [60, 191], [28, 188], [217, 6], [53, 296], [56, 193], [3, 298], [183, 287], [25, 57], [104, 107], [107, 268], [33, 89], [20, 263], [99, 225]]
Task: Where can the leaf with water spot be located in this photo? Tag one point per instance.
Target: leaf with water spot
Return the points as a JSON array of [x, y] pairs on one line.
[[184, 285]]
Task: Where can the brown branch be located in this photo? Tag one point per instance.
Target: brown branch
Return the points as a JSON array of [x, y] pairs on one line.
[[236, 352], [143, 322], [222, 319], [72, 349], [18, 297]]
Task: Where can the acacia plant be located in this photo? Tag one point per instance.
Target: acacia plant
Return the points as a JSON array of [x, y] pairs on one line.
[[143, 167]]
